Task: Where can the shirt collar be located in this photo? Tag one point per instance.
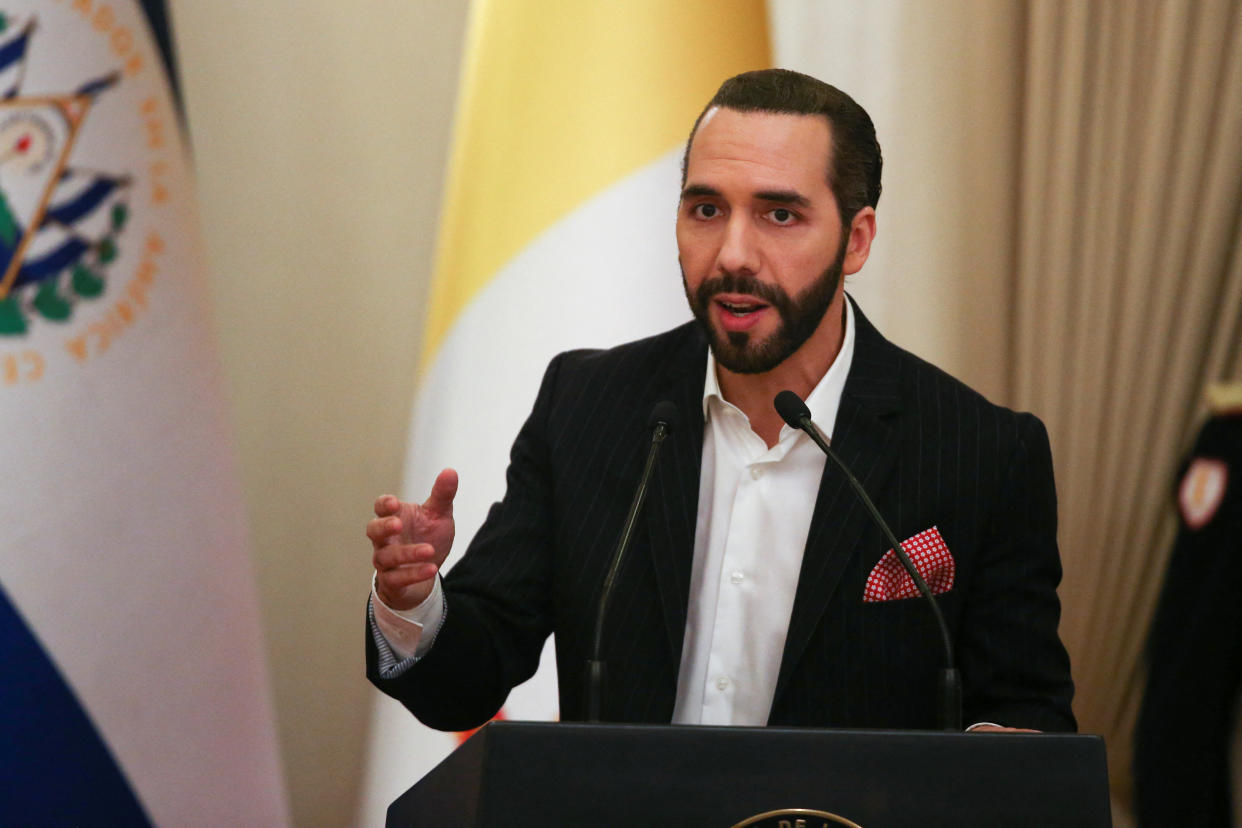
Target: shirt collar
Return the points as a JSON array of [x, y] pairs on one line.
[[825, 397]]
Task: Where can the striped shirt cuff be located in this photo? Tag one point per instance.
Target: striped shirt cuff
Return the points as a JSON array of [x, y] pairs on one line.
[[400, 640]]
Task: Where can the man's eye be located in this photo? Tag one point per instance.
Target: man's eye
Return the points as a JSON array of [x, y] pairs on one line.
[[705, 211], [782, 216]]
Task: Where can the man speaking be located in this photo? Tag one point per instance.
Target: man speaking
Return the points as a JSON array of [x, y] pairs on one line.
[[756, 589]]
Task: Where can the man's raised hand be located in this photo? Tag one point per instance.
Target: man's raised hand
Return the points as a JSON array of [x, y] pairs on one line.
[[410, 543]]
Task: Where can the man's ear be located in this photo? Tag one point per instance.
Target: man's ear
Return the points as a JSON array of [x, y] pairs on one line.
[[858, 248]]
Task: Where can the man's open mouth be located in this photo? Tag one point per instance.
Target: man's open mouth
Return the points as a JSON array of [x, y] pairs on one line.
[[741, 308]]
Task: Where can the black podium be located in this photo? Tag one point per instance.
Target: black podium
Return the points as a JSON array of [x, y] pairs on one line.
[[546, 774]]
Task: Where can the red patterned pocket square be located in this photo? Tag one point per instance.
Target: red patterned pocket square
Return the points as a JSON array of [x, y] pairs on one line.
[[889, 581]]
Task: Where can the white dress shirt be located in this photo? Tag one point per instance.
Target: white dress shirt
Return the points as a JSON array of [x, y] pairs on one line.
[[755, 506]]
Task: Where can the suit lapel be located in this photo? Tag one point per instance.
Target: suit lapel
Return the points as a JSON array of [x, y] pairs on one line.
[[672, 501], [865, 438]]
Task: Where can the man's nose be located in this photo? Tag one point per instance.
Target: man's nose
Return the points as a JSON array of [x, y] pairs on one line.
[[739, 252]]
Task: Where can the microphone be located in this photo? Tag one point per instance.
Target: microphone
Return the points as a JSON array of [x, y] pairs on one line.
[[794, 412], [662, 420]]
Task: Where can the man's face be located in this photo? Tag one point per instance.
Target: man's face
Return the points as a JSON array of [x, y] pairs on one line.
[[759, 235]]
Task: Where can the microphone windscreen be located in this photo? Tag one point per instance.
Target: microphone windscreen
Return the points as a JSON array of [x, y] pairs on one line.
[[663, 412], [791, 408]]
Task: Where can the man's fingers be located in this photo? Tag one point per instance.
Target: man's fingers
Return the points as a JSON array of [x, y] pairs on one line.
[[440, 501], [386, 505], [398, 579], [398, 555], [382, 528]]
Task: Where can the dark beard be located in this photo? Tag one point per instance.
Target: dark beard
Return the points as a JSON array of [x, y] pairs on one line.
[[799, 317]]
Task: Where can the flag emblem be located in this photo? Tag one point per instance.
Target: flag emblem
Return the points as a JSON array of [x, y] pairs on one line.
[[60, 223], [1202, 490]]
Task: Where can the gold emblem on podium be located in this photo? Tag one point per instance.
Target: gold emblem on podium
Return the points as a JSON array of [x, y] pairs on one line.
[[796, 818]]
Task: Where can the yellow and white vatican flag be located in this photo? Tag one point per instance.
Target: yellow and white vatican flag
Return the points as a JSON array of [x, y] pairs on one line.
[[557, 232], [133, 688]]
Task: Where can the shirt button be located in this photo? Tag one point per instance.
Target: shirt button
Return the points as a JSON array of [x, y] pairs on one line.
[[756, 472], [738, 576], [722, 683]]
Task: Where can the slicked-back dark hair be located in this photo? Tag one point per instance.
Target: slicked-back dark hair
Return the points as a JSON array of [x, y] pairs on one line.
[[854, 161]]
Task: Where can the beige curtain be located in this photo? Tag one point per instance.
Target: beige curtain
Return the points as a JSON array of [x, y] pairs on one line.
[[1127, 302]]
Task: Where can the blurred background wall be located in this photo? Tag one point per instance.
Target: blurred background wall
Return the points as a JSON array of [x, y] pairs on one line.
[[320, 132]]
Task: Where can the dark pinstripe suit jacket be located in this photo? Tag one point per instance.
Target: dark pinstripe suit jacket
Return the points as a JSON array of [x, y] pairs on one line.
[[928, 450]]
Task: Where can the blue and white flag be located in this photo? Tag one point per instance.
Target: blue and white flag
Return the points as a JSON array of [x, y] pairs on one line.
[[133, 688]]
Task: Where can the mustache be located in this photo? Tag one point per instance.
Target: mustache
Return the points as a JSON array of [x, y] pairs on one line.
[[741, 283]]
